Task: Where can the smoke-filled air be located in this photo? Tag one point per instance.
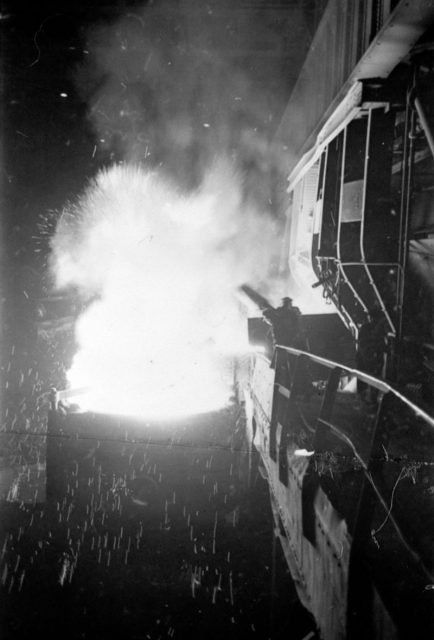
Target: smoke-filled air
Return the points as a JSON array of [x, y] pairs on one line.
[[181, 106], [162, 270]]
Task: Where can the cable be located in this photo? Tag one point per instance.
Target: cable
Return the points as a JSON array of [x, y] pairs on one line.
[[200, 445]]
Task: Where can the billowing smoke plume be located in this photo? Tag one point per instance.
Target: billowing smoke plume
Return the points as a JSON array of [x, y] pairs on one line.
[[178, 83], [162, 268], [183, 107]]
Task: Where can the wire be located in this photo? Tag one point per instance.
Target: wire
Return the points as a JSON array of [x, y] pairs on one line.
[[374, 532], [157, 443], [35, 38], [199, 445]]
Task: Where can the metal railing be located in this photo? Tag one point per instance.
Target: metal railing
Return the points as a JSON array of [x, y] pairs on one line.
[[296, 400]]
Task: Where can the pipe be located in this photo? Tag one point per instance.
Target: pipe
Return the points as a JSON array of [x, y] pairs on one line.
[[425, 124]]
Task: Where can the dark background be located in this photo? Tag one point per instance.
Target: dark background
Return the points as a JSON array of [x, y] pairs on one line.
[[52, 144]]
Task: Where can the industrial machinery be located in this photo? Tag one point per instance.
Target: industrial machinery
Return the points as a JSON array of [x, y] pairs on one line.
[[348, 452]]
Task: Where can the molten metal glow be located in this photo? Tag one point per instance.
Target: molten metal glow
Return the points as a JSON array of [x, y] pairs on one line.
[[162, 269]]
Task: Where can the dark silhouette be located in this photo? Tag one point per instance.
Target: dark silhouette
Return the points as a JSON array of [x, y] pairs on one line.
[[372, 344], [285, 323]]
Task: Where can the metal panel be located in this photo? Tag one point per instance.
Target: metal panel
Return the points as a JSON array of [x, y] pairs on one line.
[[351, 208], [330, 60], [331, 71], [301, 237]]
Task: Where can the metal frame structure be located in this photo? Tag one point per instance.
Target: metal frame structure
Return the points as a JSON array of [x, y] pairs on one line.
[[381, 39], [293, 372]]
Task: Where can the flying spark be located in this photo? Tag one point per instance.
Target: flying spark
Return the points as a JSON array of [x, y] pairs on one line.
[[155, 340]]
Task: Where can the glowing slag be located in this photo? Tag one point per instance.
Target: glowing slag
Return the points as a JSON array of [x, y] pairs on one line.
[[161, 268]]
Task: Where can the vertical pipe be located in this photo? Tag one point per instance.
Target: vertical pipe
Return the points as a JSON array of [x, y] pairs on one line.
[[406, 193], [365, 185], [369, 275], [326, 410], [425, 124]]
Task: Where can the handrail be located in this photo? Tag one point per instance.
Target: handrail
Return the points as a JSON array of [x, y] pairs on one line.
[[372, 381], [371, 504], [362, 225], [378, 495], [338, 261], [323, 421]]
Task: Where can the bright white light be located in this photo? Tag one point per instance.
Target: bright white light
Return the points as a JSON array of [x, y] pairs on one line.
[[304, 453], [257, 348], [164, 268]]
